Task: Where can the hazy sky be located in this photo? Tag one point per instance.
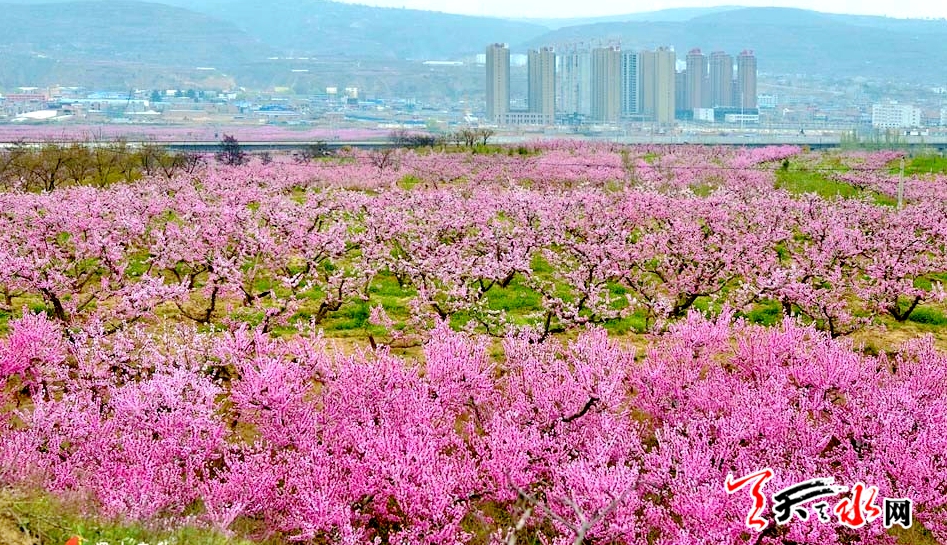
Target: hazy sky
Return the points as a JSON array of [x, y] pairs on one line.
[[574, 8]]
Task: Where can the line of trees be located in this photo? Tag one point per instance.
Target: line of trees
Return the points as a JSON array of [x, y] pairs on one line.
[[468, 137], [51, 165], [48, 166]]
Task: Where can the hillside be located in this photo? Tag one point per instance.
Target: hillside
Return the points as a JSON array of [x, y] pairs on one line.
[[122, 43], [119, 42], [665, 15], [790, 41], [321, 27]]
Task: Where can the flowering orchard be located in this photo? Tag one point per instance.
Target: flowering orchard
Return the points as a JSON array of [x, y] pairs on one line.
[[571, 235], [287, 438], [163, 362]]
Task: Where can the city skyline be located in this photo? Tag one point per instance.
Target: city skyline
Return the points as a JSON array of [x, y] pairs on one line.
[[608, 84]]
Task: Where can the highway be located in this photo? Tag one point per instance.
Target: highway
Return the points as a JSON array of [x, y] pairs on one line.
[[748, 139]]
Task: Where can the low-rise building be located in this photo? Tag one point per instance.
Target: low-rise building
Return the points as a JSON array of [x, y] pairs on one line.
[[519, 117], [704, 114], [741, 118], [767, 101]]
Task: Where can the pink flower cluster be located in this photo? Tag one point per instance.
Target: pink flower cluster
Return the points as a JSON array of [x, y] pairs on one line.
[[284, 437]]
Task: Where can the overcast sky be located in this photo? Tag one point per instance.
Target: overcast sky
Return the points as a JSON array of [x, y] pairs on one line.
[[577, 8]]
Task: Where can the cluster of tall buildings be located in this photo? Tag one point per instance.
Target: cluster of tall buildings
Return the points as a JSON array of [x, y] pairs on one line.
[[607, 84]]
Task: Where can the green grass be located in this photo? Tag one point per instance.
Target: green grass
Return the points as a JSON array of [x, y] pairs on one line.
[[703, 190], [32, 304], [632, 325], [354, 316], [489, 149], [885, 200], [43, 520], [408, 182], [767, 313], [516, 299], [137, 265], [523, 151], [834, 162], [800, 182], [352, 319], [928, 316], [923, 164]]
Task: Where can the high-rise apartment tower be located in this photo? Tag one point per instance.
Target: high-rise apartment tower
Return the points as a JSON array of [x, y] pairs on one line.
[[721, 80], [574, 75], [696, 95], [542, 83], [746, 80], [630, 83], [498, 82], [606, 84], [658, 72]]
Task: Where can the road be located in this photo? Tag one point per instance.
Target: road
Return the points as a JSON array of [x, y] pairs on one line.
[[748, 139]]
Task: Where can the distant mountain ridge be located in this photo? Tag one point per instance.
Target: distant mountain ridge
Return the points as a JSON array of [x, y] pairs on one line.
[[126, 29], [131, 43], [663, 15], [322, 27], [120, 41], [790, 41]]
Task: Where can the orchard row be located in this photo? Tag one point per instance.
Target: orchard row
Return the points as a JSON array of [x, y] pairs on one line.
[[496, 243], [115, 396], [566, 444]]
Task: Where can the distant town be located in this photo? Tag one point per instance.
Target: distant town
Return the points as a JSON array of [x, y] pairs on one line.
[[564, 89]]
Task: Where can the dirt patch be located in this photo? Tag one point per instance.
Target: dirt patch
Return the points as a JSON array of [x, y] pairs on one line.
[[10, 533]]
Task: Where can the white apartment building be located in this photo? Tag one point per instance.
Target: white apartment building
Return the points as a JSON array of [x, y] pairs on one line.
[[892, 115], [767, 101], [573, 82]]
